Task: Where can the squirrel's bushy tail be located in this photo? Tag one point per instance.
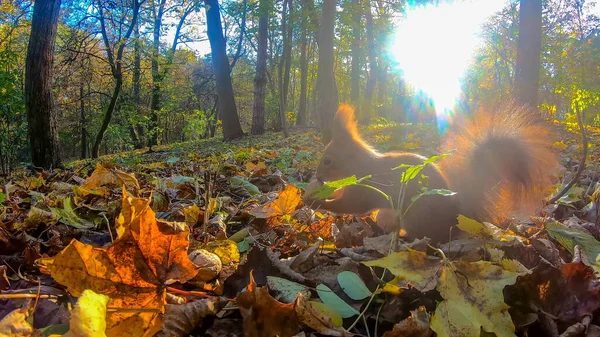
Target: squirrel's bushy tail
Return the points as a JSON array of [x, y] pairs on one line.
[[503, 165]]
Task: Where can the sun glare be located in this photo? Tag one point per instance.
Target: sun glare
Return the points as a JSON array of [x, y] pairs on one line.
[[433, 46]]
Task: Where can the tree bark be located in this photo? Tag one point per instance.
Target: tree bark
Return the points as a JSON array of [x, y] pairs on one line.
[[227, 109], [156, 76], [355, 47], [39, 102], [84, 141], [327, 91], [302, 113], [260, 79], [285, 64], [366, 111], [137, 130], [529, 46]]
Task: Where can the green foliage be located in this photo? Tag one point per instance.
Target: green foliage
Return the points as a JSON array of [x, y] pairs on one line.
[[13, 120]]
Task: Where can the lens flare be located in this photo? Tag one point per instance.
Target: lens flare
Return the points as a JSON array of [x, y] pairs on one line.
[[434, 44]]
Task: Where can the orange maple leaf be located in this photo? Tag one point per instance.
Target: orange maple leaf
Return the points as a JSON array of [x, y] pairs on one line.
[[134, 271]]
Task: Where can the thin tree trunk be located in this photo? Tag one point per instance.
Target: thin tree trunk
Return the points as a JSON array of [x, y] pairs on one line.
[[285, 62], [529, 46], [227, 109], [366, 111], [82, 121], [137, 131], [260, 79], [303, 71], [355, 47], [115, 61], [39, 102], [327, 91], [156, 76], [107, 117]]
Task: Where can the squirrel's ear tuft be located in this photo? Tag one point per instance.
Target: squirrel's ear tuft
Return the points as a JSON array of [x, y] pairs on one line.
[[344, 124]]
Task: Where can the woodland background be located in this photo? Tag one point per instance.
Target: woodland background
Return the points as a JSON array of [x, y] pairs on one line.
[[124, 75]]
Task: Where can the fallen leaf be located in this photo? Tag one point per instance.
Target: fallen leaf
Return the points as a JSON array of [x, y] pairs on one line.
[[15, 325], [473, 299], [412, 268], [88, 318], [105, 177], [134, 271], [264, 316], [320, 317]]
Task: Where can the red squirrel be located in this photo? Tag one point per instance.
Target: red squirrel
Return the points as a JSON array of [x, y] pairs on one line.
[[503, 163]]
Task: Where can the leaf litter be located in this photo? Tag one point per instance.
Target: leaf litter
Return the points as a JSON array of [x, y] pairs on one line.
[[215, 238]]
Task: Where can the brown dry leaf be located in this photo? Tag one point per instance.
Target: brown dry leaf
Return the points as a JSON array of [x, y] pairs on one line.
[[103, 177], [264, 316], [312, 316], [256, 170], [180, 320], [133, 271], [15, 325], [416, 325]]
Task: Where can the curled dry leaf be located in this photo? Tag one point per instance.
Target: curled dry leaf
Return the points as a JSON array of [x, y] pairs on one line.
[[106, 177], [209, 265], [15, 325], [313, 314], [180, 320], [416, 325], [134, 271], [264, 316]]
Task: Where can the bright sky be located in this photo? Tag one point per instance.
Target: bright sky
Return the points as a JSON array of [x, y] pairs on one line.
[[434, 46]]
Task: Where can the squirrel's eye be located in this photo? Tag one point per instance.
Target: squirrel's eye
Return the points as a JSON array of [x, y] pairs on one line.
[[326, 161]]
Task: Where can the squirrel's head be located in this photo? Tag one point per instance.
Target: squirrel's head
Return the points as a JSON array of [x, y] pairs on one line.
[[346, 154]]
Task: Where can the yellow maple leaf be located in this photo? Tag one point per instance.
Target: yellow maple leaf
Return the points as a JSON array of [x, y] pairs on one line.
[[473, 299], [284, 204], [411, 267]]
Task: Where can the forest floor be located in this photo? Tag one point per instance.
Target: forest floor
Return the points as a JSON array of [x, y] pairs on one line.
[[104, 245]]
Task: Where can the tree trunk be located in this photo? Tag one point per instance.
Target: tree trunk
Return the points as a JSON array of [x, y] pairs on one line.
[[366, 111], [156, 78], [529, 45], [137, 130], [284, 74], [39, 103], [227, 109], [84, 141], [260, 79], [327, 91], [107, 117], [301, 120], [355, 46]]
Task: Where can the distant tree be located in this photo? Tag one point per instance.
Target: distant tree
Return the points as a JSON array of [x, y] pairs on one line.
[[366, 111], [227, 109], [302, 113], [356, 8], [327, 89], [159, 11], [260, 78], [285, 62], [121, 24], [529, 45], [39, 103]]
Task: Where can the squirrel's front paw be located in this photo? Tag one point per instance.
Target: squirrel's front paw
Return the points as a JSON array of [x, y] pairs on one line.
[[308, 199]]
